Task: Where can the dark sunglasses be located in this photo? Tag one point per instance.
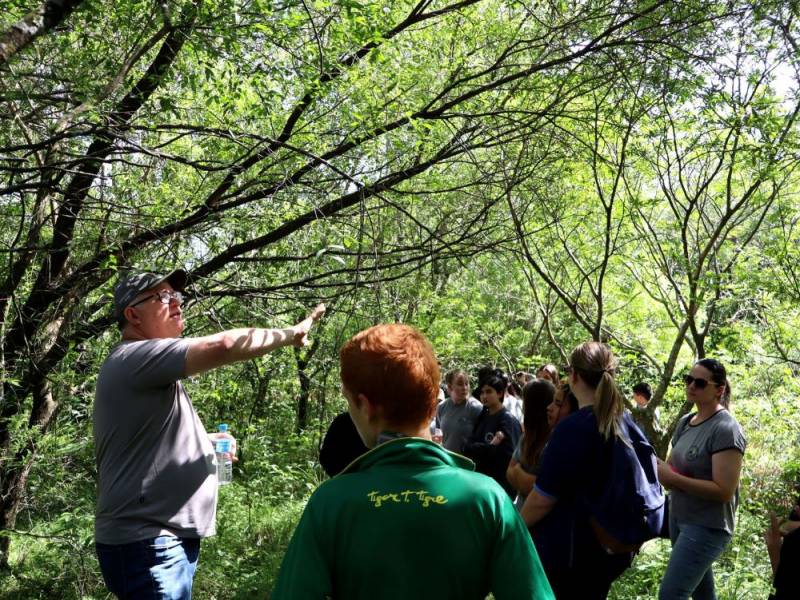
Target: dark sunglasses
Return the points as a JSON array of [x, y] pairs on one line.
[[699, 382]]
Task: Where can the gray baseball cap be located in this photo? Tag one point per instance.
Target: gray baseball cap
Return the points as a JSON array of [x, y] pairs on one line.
[[131, 286]]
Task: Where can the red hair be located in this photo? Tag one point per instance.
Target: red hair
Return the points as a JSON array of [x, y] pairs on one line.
[[394, 366]]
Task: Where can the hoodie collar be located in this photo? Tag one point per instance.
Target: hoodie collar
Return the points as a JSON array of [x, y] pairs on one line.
[[410, 451]]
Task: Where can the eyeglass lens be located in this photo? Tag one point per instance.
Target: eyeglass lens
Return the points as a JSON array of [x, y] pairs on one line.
[[166, 297], [698, 382]]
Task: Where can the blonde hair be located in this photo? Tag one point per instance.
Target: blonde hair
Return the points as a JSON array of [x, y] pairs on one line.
[[595, 364]]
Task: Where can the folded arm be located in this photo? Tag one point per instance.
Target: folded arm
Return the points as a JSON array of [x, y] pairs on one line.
[[520, 480], [726, 467]]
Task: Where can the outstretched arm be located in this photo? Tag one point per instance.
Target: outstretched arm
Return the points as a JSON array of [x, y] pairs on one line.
[[234, 345]]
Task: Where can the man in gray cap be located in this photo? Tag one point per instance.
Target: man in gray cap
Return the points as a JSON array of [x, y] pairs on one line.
[[157, 488]]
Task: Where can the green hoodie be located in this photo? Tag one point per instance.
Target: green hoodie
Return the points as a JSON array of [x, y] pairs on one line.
[[409, 519]]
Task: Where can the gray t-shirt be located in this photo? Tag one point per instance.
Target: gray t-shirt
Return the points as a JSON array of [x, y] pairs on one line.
[[517, 456], [692, 449], [529, 469], [457, 422], [155, 462]]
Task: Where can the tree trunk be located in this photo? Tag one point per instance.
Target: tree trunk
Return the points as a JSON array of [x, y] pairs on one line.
[[15, 472], [302, 359], [35, 23]]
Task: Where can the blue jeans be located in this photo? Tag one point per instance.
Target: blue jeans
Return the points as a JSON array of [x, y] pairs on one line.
[[159, 568], [694, 550]]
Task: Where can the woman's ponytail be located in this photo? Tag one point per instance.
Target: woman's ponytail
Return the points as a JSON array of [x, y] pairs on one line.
[[595, 364]]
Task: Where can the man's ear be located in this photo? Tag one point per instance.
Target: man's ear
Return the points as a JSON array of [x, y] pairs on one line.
[[131, 316], [373, 410]]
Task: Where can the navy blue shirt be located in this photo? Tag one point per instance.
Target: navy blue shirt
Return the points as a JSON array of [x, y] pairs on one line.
[[574, 464]]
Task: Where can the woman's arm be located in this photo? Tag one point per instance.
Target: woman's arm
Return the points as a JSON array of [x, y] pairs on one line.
[[519, 479], [726, 466], [536, 507]]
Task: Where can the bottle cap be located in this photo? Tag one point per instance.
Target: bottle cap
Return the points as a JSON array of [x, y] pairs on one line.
[[223, 427], [223, 446]]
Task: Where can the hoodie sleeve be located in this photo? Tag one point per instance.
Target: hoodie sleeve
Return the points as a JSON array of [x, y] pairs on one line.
[[516, 571], [305, 573]]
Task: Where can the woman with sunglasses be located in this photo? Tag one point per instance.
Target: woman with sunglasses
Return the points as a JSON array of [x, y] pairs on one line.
[[702, 474]]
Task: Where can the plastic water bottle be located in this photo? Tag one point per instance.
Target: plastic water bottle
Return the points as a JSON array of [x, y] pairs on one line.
[[436, 433], [224, 462]]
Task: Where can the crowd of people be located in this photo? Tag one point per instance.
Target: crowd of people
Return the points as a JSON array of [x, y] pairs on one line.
[[548, 463], [487, 489], [555, 455]]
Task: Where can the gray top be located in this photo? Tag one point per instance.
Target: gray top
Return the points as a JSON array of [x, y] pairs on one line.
[[517, 456], [155, 461], [692, 449], [457, 422], [529, 469]]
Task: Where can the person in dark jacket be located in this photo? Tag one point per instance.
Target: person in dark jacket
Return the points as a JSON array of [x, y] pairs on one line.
[[341, 445], [496, 434]]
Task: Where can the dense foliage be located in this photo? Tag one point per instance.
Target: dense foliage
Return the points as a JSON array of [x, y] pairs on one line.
[[512, 177]]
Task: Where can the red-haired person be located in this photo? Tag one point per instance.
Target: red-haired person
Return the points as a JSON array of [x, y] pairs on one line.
[[408, 519]]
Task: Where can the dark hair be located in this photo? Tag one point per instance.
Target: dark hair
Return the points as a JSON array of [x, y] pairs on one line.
[[486, 373], [570, 397], [497, 382], [719, 376], [643, 389], [514, 389], [536, 397], [595, 364]]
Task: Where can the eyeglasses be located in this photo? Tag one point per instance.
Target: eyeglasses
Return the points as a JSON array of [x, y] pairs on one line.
[[163, 296], [699, 382]]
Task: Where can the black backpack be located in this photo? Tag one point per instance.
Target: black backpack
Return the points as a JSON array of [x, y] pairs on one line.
[[630, 507]]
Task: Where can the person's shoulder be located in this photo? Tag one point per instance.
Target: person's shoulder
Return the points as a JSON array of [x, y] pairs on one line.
[[581, 420], [471, 402], [333, 491], [724, 421], [482, 487], [152, 345], [508, 417]]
